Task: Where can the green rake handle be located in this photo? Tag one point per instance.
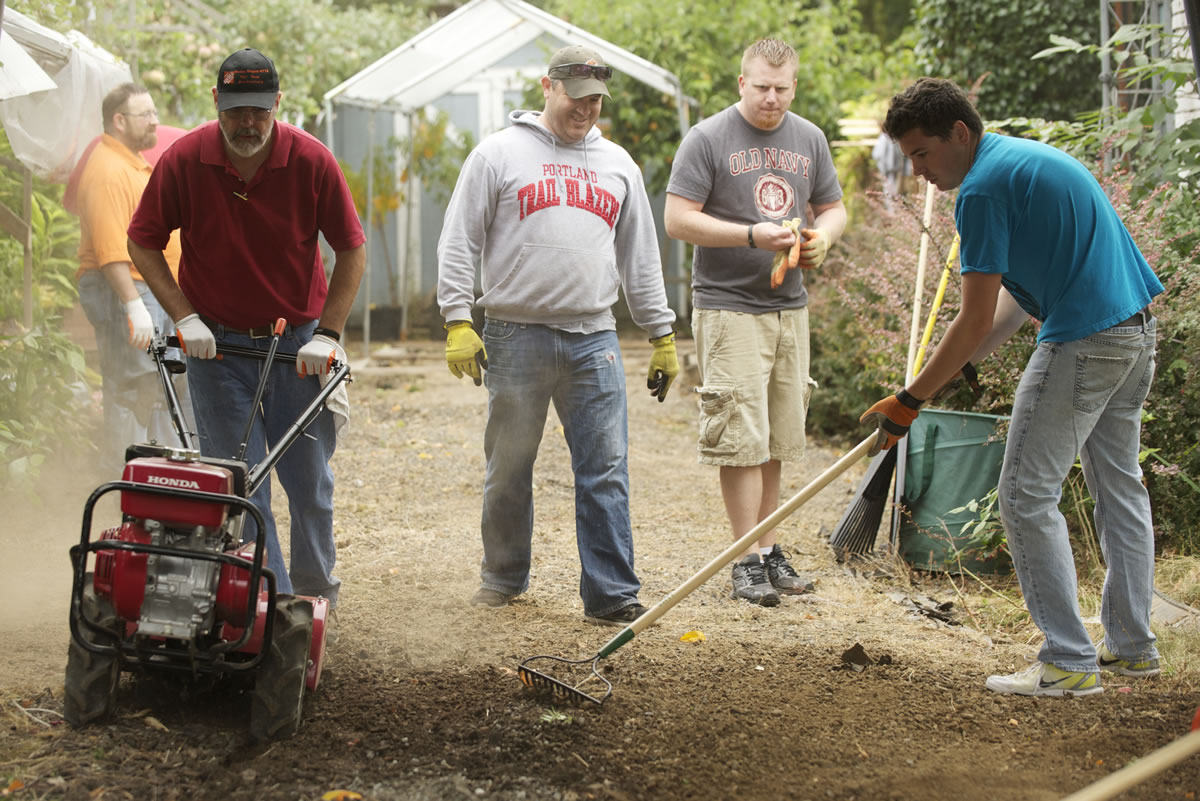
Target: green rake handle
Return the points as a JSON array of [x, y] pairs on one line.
[[726, 556]]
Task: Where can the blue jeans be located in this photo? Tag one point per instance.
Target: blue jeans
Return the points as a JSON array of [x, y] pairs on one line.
[[222, 390], [528, 367], [1083, 398], [135, 408]]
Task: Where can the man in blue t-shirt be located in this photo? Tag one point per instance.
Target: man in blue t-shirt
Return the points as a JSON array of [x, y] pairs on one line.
[[1041, 239]]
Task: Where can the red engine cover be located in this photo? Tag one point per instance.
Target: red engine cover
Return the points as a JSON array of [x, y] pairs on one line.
[[120, 576], [157, 471], [233, 590]]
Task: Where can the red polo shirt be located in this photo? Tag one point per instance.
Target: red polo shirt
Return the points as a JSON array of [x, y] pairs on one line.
[[250, 251]]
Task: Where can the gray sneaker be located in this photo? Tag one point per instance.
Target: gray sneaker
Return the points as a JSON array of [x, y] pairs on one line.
[[750, 582], [1125, 667], [622, 617], [490, 599], [783, 577]]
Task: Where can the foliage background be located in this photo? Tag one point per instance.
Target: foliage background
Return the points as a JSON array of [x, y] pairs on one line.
[[315, 44], [43, 377], [703, 44], [998, 38]]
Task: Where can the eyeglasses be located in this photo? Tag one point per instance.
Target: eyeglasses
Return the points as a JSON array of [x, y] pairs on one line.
[[581, 71], [145, 115], [240, 112]]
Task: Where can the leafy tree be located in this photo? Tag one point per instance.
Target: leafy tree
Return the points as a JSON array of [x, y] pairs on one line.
[[315, 45], [998, 38], [702, 44], [885, 18]]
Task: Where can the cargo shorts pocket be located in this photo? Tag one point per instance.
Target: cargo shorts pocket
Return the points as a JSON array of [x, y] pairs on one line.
[[720, 421]]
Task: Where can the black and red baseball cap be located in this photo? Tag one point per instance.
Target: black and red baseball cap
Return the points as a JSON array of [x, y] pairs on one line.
[[247, 78]]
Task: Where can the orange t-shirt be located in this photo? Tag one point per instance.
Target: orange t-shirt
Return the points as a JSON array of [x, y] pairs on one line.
[[109, 190]]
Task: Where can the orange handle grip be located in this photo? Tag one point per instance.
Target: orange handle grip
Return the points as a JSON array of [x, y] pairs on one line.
[[280, 325]]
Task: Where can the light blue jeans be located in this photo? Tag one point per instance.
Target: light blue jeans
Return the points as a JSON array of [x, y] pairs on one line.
[[135, 407], [222, 391], [1083, 398], [528, 367]]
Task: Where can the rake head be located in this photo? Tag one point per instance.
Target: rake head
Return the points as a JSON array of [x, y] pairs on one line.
[[543, 682]]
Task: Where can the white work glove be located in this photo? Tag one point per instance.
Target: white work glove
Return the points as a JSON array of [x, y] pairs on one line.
[[338, 403], [141, 326], [315, 357], [195, 337]]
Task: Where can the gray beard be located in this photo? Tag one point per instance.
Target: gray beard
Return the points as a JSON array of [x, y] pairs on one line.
[[243, 149]]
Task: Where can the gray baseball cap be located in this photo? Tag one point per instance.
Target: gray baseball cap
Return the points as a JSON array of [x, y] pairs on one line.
[[582, 71]]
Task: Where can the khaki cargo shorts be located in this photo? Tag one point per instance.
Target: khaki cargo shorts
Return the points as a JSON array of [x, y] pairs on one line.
[[754, 385]]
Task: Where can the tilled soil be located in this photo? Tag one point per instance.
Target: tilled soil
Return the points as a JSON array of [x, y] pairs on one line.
[[420, 700]]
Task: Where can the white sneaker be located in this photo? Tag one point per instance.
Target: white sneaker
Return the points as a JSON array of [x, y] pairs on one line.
[[1043, 679]]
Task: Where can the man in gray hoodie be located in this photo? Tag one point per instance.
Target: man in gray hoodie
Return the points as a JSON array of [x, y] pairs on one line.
[[558, 220]]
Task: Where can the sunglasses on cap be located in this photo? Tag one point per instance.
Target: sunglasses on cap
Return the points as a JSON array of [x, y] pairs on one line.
[[581, 71]]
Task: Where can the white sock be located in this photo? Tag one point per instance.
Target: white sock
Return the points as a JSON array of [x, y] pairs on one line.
[[765, 552]]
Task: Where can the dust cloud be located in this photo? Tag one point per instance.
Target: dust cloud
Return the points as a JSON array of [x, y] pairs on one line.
[[41, 523]]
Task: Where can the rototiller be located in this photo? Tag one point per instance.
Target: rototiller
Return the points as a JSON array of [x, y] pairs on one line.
[[173, 588]]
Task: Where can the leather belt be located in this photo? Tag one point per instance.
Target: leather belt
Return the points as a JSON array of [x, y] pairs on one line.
[[254, 332], [1141, 318]]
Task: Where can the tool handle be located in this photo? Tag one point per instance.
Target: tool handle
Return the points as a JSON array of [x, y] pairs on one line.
[[263, 374], [919, 284], [741, 544], [1154, 762], [937, 304]]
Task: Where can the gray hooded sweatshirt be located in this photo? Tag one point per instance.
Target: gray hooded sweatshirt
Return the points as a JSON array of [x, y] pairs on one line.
[[557, 228]]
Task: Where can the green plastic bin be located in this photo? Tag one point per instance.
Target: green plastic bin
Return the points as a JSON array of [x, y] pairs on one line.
[[953, 458]]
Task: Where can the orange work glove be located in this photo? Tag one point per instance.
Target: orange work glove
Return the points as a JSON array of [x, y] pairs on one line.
[[893, 415]]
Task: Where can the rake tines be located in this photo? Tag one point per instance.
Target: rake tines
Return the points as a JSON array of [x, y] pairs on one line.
[[540, 681]]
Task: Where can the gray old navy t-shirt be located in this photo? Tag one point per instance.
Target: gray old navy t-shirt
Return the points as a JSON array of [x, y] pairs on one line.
[[746, 175]]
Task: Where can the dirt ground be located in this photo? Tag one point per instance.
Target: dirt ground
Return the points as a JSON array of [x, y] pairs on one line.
[[420, 700]]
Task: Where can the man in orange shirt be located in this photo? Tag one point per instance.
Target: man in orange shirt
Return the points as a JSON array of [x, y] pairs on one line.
[[117, 302]]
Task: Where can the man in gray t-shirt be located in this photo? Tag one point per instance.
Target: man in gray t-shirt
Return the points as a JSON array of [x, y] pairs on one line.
[[737, 178]]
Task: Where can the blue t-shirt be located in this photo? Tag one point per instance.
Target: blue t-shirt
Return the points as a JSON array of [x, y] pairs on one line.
[[1037, 217]]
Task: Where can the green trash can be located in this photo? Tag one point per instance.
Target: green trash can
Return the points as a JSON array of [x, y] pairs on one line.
[[953, 458]]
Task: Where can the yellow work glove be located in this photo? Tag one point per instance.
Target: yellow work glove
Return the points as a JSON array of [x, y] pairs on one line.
[[465, 354], [664, 366], [813, 251]]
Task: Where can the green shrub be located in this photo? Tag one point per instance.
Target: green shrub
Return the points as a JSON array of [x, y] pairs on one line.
[[42, 377], [42, 373]]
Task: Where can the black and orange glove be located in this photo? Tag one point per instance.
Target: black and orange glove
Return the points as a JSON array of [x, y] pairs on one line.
[[968, 374], [892, 416]]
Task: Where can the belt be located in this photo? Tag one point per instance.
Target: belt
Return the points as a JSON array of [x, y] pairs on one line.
[[1141, 318], [254, 332]]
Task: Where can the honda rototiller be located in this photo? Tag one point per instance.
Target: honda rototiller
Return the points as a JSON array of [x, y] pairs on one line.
[[173, 588]]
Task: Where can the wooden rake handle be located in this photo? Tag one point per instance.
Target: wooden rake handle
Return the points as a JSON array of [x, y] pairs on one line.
[[729, 554], [1154, 762]]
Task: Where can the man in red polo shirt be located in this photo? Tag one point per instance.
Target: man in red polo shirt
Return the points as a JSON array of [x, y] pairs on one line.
[[250, 194]]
